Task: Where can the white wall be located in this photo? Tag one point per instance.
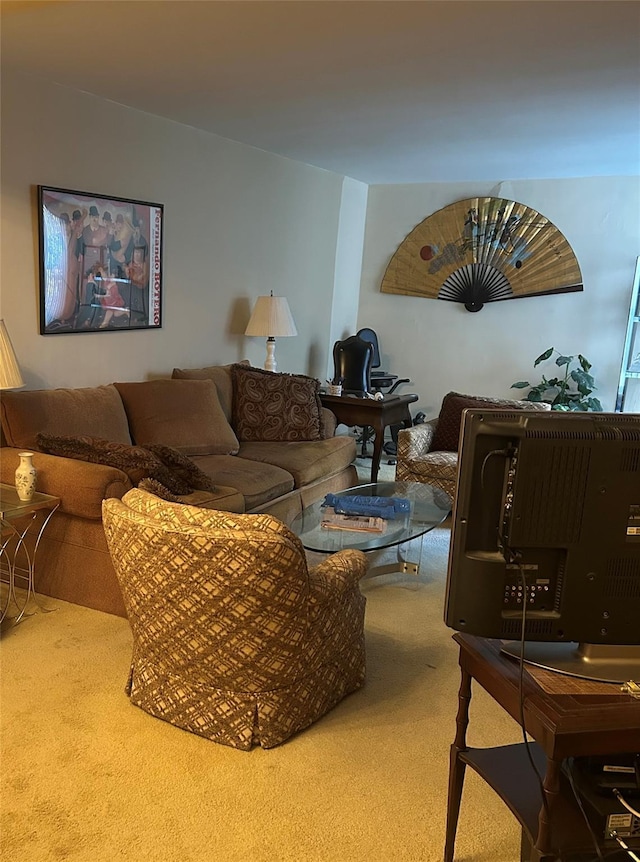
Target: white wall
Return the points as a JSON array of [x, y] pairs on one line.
[[239, 222], [443, 347], [344, 315]]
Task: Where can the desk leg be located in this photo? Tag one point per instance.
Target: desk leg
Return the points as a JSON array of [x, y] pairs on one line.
[[377, 448], [378, 427], [456, 766]]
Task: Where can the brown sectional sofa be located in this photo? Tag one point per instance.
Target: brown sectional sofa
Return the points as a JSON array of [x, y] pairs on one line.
[[194, 413]]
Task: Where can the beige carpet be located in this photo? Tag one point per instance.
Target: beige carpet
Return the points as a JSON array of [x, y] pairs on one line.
[[87, 776]]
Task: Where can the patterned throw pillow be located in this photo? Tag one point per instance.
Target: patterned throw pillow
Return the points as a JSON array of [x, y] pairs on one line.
[[137, 462], [275, 407], [447, 431]]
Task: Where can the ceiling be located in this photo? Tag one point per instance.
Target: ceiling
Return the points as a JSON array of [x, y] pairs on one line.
[[384, 91]]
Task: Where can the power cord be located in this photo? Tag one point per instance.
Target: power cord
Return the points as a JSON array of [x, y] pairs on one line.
[[624, 802], [578, 800], [625, 847], [513, 556]]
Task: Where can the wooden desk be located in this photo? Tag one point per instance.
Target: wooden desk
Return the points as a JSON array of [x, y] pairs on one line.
[[562, 725], [392, 410]]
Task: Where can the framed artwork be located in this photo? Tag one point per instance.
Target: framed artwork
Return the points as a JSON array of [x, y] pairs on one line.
[[100, 262]]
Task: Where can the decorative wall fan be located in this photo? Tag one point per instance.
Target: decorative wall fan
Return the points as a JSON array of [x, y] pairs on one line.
[[482, 250]]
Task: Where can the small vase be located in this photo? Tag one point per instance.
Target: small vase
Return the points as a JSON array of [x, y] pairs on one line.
[[25, 477]]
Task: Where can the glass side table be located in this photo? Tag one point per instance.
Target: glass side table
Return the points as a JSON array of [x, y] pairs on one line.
[[19, 546]]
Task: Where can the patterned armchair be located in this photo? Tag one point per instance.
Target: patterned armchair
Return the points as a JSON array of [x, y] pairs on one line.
[[233, 637], [428, 453]]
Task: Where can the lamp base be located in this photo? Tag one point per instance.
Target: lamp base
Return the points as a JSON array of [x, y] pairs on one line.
[[270, 361]]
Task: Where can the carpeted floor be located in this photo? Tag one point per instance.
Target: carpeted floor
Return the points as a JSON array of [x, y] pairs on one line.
[[386, 471], [86, 776]]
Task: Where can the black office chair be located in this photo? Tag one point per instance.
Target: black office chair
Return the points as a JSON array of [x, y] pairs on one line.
[[381, 381], [352, 360]]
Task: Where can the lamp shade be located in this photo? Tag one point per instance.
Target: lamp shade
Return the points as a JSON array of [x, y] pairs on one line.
[[10, 377], [271, 318]]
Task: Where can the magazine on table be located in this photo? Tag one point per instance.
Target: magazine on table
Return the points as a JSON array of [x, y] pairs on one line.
[[331, 520]]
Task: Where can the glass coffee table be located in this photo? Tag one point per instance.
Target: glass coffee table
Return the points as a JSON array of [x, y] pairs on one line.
[[429, 507]]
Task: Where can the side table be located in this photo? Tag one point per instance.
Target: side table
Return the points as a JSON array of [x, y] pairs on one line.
[[17, 519], [392, 410], [574, 723]]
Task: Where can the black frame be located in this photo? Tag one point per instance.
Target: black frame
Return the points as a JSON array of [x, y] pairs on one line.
[[100, 262]]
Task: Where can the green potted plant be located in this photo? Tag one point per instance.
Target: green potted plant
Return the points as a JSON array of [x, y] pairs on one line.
[[569, 392]]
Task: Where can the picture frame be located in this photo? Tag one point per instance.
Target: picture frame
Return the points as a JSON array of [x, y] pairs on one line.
[[100, 262]]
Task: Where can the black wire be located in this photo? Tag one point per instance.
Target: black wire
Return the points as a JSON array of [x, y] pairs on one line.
[[523, 580], [513, 556], [593, 835]]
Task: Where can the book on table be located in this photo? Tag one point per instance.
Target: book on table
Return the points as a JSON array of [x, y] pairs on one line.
[[332, 520]]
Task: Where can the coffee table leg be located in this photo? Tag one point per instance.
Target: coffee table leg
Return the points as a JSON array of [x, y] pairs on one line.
[[402, 564]]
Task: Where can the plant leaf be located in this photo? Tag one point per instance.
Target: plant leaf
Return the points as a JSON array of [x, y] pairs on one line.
[[543, 356], [594, 404], [521, 384], [564, 360], [583, 380], [586, 365]]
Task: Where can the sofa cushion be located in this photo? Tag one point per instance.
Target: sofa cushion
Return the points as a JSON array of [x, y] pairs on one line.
[[93, 411], [183, 414], [136, 461], [275, 407], [221, 376], [221, 500], [257, 482], [447, 431], [306, 461]]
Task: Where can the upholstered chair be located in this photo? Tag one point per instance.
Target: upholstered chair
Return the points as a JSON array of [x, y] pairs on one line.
[[233, 637], [428, 453]]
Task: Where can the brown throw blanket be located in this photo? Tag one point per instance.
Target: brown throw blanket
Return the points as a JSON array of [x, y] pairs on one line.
[[163, 470]]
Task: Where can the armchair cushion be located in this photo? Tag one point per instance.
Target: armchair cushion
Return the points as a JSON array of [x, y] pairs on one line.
[[275, 407]]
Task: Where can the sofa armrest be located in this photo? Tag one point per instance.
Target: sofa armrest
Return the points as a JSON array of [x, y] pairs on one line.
[[330, 423], [416, 441], [80, 485]]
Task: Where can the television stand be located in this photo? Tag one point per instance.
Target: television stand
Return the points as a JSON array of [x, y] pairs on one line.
[[572, 724]]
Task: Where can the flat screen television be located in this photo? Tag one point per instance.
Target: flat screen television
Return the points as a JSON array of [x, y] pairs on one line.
[[545, 544]]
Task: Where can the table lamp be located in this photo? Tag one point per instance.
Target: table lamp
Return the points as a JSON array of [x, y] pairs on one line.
[[10, 377], [271, 317]]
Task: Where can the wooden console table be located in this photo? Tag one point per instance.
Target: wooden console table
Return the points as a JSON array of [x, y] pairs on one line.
[[572, 724], [392, 410]]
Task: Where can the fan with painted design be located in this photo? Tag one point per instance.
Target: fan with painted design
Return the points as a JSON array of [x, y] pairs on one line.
[[482, 250]]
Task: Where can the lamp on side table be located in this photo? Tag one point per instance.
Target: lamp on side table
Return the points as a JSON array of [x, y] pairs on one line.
[[271, 317]]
